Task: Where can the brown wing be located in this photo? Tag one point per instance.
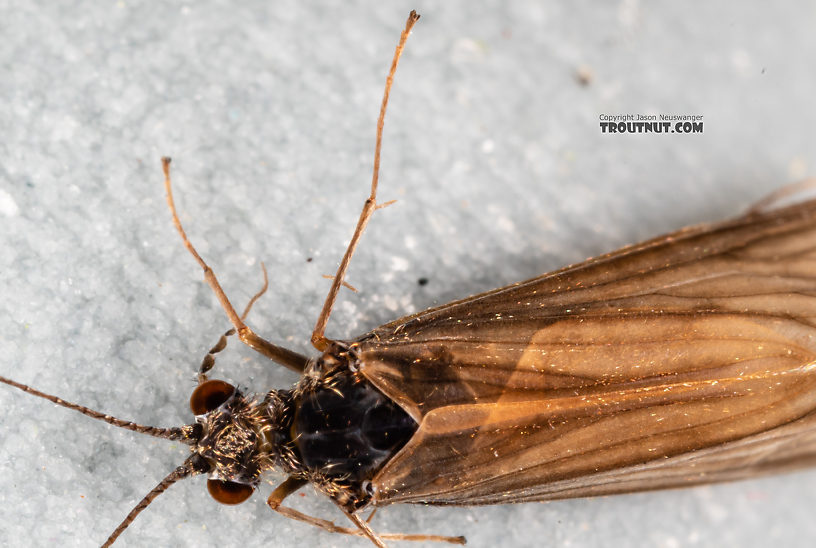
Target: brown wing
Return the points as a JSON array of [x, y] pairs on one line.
[[685, 359]]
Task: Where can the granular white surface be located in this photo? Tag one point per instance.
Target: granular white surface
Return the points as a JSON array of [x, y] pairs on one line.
[[492, 149]]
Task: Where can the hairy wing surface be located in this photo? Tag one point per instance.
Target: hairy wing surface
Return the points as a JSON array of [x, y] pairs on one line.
[[652, 356]]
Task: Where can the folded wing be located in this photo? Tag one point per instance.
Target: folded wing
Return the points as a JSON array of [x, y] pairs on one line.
[[685, 359]]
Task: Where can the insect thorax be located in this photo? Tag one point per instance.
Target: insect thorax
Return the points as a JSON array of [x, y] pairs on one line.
[[336, 430]]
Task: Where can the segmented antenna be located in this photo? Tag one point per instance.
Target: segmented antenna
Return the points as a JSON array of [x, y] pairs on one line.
[[185, 470], [184, 434]]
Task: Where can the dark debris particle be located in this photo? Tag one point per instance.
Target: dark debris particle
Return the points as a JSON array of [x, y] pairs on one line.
[[583, 76]]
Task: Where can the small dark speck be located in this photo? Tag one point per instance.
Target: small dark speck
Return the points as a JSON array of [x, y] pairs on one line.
[[583, 75], [308, 259], [29, 184], [763, 70], [422, 281]]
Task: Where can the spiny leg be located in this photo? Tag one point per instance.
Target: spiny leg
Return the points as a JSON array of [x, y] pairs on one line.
[[319, 339], [287, 358], [209, 360], [292, 484], [345, 284]]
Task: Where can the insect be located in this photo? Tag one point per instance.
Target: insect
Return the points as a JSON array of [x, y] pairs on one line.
[[686, 359]]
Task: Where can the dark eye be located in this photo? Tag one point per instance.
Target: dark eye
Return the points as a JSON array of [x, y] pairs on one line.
[[209, 396], [229, 492]]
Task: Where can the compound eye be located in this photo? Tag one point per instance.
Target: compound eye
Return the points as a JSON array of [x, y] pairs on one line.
[[209, 396], [229, 492]]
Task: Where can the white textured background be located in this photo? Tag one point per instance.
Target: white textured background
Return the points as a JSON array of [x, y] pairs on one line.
[[492, 149]]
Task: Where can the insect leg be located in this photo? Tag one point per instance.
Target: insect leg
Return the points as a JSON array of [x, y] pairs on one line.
[[209, 360], [364, 527], [289, 486], [292, 484], [777, 198], [371, 515], [375, 537], [319, 339], [287, 358]]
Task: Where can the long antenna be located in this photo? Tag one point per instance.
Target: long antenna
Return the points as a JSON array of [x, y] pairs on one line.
[[184, 434], [185, 470], [318, 335]]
